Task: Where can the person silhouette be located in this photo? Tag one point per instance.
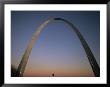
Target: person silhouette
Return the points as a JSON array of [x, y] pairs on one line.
[[53, 74]]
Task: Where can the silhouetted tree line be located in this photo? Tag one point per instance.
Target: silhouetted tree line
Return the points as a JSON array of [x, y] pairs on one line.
[[13, 71]]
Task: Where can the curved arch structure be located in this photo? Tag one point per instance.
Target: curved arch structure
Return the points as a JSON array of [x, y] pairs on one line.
[[27, 52]]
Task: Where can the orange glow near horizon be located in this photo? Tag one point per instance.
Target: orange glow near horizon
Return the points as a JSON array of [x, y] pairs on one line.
[[59, 71]]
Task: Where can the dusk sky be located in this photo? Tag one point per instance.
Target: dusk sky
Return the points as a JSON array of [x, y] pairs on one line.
[[57, 50]]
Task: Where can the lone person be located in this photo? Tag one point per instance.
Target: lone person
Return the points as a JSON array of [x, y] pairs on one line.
[[53, 74]]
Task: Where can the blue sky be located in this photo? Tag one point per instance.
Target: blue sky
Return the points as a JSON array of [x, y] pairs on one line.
[[57, 50]]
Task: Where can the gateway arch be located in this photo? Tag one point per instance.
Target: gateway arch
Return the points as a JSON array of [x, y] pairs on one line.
[[90, 56]]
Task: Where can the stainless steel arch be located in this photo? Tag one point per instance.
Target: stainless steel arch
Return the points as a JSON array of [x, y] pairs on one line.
[[27, 52]]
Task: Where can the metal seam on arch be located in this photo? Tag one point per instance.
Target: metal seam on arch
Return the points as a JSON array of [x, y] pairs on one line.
[[27, 52]]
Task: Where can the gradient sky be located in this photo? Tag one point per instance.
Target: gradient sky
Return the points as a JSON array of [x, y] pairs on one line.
[[57, 50]]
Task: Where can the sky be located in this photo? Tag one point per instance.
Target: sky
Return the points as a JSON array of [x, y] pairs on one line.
[[57, 50]]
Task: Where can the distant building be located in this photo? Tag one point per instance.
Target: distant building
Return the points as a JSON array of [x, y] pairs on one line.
[[53, 74]]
